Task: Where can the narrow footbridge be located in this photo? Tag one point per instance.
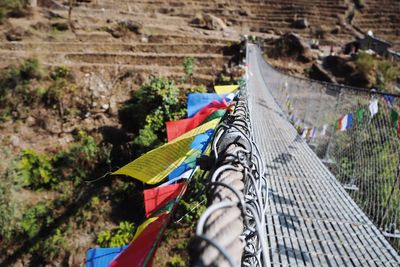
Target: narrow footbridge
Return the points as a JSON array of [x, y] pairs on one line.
[[312, 220], [332, 198]]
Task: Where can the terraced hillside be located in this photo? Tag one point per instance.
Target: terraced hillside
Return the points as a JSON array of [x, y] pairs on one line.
[[382, 17]]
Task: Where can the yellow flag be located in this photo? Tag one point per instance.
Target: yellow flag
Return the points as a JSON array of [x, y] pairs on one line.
[[155, 165], [225, 89]]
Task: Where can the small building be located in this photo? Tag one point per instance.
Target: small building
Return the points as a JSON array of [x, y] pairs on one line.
[[379, 46], [393, 55]]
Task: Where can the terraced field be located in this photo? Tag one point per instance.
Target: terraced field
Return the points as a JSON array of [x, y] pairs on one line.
[[382, 18]]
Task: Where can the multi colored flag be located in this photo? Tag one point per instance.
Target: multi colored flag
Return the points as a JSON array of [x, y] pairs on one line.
[[179, 127], [141, 250], [156, 165], [197, 101], [345, 122]]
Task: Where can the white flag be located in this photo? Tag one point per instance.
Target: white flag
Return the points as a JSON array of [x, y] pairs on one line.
[[304, 134], [373, 107], [324, 128]]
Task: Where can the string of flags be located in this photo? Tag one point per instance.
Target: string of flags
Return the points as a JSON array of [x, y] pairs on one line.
[[345, 122], [174, 162]]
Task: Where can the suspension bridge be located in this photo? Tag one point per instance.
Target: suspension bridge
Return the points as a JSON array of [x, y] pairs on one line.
[[300, 173], [311, 217]]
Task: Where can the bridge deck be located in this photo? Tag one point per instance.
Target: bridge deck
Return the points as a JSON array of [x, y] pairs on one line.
[[312, 221]]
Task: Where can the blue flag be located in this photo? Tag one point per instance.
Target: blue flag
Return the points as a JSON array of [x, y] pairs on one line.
[[197, 101], [199, 144], [349, 120], [102, 257], [389, 100]]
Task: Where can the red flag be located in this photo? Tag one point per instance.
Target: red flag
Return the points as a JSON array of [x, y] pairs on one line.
[[179, 127], [142, 249], [156, 198], [398, 128]]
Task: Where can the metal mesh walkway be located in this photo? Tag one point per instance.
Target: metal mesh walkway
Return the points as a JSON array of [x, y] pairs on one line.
[[312, 221]]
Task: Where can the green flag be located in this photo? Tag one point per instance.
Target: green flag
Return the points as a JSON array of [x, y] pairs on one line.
[[336, 126], [394, 117], [360, 115], [216, 114]]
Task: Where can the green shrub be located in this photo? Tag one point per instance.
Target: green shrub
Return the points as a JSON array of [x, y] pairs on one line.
[[365, 63], [79, 159], [35, 218], [60, 72], [177, 261], [388, 71], [192, 205], [151, 106], [359, 3], [30, 69], [120, 236], [188, 63], [50, 248], [16, 92], [8, 7], [35, 170], [198, 89], [55, 92], [10, 212]]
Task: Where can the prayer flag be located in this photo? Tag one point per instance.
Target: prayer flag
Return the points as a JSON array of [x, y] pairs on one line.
[[314, 133], [389, 101], [143, 246], [198, 146], [324, 128], [373, 107], [394, 117], [225, 89], [398, 128], [179, 127], [304, 133], [360, 115], [154, 166], [156, 198], [345, 122], [216, 114], [101, 257], [197, 101]]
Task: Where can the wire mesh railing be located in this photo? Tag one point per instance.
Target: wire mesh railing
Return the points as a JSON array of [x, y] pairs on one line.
[[356, 133], [232, 231]]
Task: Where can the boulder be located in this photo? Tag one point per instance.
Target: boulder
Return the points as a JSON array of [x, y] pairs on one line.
[[132, 26], [291, 45], [244, 12], [318, 73], [15, 34], [338, 66], [336, 30], [209, 22], [301, 23], [60, 26]]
